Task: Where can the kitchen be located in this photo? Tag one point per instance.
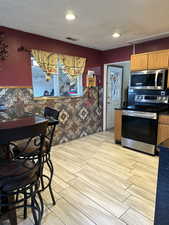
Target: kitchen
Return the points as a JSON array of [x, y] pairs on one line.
[[148, 92], [141, 122]]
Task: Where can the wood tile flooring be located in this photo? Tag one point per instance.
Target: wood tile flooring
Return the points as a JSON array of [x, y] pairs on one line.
[[97, 182]]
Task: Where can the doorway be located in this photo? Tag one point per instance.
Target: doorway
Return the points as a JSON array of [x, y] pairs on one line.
[[116, 77]]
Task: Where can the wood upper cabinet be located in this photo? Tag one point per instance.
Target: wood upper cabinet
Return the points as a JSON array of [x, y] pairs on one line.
[[158, 60], [150, 60], [118, 125], [139, 62]]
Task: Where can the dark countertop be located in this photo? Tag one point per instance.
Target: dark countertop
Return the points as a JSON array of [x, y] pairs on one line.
[[164, 113], [137, 109]]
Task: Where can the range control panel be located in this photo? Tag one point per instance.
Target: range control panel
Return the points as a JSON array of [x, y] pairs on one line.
[[151, 99]]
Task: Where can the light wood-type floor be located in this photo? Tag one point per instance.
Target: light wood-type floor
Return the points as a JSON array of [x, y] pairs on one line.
[[97, 182]]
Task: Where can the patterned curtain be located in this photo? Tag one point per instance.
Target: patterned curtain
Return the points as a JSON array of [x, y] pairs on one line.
[[74, 65], [47, 61]]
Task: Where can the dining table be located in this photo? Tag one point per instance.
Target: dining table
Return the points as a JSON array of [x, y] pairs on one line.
[[13, 124]]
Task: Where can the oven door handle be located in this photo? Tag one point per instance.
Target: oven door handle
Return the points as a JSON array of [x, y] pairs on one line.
[[147, 115]]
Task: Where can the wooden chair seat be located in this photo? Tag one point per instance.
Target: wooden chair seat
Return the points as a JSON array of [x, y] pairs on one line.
[[17, 173], [16, 184]]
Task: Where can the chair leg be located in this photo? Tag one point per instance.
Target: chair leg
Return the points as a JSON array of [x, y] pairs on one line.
[[41, 177], [41, 203], [12, 217], [37, 210], [25, 204], [52, 195], [34, 211], [12, 212], [49, 163]]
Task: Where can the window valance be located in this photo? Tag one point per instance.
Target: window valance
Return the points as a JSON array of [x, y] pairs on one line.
[[74, 65], [48, 61]]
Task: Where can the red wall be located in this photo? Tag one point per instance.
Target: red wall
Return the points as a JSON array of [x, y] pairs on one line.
[[155, 45], [116, 55], [16, 69], [123, 54]]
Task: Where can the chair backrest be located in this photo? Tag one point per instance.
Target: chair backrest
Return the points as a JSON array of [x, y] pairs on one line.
[[53, 119], [53, 113]]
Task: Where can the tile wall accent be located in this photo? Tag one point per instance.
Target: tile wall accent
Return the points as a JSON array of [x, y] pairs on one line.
[[79, 116]]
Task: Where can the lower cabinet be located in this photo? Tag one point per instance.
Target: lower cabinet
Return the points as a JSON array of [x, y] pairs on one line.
[[163, 128], [118, 125], [163, 133]]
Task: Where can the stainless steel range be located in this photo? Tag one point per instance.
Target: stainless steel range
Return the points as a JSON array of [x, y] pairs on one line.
[[140, 121]]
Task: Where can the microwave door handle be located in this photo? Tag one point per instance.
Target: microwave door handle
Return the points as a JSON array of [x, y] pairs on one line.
[[164, 78], [156, 78]]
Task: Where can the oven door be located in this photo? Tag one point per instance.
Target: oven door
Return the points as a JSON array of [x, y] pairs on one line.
[[139, 130]]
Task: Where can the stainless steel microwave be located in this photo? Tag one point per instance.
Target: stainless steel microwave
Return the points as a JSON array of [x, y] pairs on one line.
[[149, 79]]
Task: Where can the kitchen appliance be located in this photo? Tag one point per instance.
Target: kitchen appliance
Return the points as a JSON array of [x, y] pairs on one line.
[[140, 119], [139, 130], [149, 79]]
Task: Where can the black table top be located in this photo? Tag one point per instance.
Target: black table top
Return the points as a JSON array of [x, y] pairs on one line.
[[16, 129], [6, 117]]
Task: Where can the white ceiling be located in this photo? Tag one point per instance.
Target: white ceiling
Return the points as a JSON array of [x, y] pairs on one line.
[[95, 23]]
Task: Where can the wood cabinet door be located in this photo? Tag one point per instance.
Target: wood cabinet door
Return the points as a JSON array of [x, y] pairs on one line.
[[168, 80], [117, 125], [139, 62], [163, 119], [163, 133], [158, 60]]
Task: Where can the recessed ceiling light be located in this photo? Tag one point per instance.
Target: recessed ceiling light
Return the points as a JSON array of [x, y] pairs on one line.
[[70, 16], [116, 35]]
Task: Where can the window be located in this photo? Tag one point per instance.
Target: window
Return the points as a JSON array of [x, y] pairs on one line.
[[60, 84]]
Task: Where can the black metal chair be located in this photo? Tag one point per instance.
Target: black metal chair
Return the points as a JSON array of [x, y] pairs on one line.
[[53, 119], [20, 178], [52, 116]]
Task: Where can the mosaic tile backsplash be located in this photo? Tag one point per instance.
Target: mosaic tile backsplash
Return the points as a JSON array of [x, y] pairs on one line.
[[79, 116]]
